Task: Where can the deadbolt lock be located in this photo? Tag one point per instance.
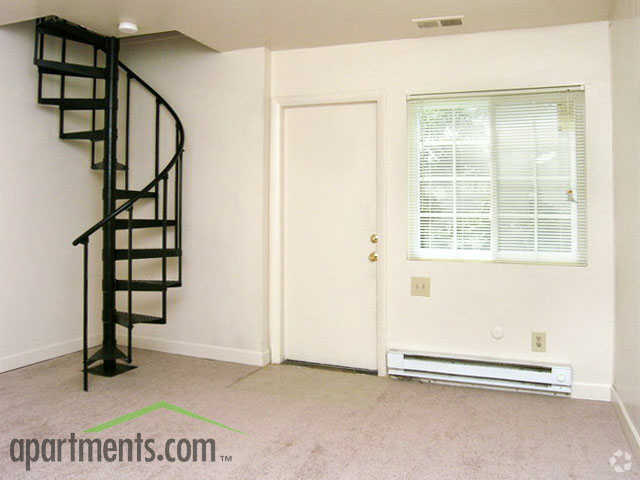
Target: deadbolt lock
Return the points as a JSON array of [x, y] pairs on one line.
[[374, 238]]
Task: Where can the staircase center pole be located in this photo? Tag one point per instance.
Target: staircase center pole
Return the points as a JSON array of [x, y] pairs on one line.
[[109, 205]]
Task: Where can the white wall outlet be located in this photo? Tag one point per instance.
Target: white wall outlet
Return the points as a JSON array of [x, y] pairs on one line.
[[538, 341], [420, 287]]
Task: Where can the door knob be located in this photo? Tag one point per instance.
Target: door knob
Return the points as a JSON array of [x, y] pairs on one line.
[[373, 257], [374, 238]]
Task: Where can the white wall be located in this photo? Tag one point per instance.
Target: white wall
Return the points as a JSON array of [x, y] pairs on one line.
[[625, 47], [220, 312], [573, 305], [48, 196]]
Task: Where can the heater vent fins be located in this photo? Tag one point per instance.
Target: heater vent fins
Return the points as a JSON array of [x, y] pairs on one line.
[[435, 22]]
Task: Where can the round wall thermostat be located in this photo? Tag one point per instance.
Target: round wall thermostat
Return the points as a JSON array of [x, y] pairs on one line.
[[497, 332]]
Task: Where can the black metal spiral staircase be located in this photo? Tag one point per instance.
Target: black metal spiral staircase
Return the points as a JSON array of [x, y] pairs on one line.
[[157, 189]]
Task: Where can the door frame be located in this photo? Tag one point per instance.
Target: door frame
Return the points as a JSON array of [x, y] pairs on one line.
[[276, 306]]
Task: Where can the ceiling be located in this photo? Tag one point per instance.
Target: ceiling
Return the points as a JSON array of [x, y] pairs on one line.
[[284, 24]]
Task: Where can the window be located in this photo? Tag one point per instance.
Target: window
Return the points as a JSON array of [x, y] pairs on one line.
[[498, 176]]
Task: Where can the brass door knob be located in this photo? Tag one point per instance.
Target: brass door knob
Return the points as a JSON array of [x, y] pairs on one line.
[[374, 238], [373, 257]]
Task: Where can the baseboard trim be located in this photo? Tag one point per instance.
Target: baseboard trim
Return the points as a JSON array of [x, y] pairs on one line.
[[200, 350], [214, 352], [23, 359], [629, 429], [591, 391]]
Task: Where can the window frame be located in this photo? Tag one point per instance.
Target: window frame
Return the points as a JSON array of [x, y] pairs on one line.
[[493, 255]]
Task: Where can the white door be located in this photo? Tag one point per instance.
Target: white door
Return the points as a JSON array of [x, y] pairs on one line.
[[329, 217]]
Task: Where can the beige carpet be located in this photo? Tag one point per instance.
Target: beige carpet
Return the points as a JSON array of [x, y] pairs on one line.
[[302, 423]]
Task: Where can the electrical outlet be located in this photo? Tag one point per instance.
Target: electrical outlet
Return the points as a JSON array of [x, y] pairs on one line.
[[420, 287], [538, 341]]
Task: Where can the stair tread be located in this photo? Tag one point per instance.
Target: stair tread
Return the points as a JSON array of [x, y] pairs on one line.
[[70, 69], [123, 224], [147, 285], [100, 166], [58, 27], [93, 135], [132, 193], [122, 318], [138, 253], [75, 103]]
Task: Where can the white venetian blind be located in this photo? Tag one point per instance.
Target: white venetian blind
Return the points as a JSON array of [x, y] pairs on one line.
[[498, 176]]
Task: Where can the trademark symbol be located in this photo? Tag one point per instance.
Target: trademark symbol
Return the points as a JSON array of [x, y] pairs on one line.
[[226, 458]]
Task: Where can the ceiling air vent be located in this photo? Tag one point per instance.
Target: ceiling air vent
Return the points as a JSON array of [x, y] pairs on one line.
[[451, 21]]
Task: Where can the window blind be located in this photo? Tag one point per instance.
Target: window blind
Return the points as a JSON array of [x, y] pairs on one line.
[[498, 176]]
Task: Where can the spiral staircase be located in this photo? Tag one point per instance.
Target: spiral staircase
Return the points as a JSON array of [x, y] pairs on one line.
[[119, 201]]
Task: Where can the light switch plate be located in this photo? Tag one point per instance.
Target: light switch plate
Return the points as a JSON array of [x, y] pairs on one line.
[[420, 287], [538, 341]]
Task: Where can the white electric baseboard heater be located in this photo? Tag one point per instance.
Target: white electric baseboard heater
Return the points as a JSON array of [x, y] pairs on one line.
[[481, 372]]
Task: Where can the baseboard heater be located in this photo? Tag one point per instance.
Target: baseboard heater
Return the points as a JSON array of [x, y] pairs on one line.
[[481, 372]]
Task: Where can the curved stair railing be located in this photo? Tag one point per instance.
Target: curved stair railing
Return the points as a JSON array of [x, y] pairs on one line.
[[158, 189]]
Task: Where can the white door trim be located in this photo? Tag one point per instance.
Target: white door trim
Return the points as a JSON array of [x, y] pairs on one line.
[[276, 314]]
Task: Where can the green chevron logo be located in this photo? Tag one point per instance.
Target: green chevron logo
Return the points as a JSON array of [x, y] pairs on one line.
[[152, 408]]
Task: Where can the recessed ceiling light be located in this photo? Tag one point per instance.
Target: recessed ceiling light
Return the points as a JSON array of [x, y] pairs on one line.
[[128, 27], [450, 21]]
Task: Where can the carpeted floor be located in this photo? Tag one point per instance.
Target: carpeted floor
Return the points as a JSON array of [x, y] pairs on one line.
[[303, 423]]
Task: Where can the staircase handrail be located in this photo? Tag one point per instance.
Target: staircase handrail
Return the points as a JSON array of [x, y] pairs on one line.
[[163, 174]]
